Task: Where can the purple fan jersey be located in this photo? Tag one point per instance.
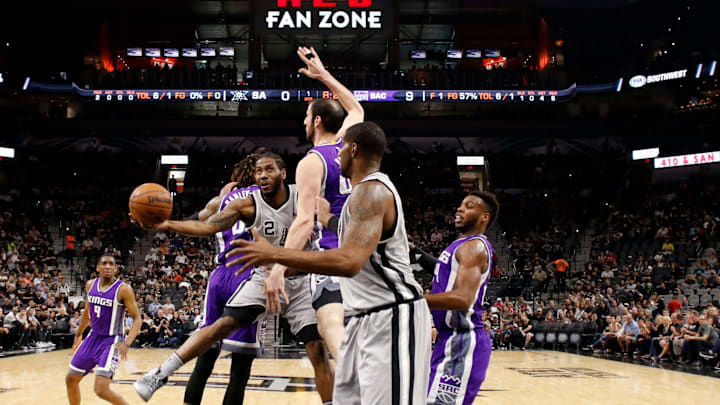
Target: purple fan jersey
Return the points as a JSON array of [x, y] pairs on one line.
[[444, 280], [238, 231], [335, 188], [107, 314]]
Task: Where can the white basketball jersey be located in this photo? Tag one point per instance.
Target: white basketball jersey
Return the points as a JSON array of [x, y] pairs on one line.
[[386, 277], [273, 224]]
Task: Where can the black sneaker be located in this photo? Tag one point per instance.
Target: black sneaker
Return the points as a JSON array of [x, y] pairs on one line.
[[706, 355]]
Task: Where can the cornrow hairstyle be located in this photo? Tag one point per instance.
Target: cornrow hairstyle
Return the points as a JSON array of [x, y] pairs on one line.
[[244, 169]]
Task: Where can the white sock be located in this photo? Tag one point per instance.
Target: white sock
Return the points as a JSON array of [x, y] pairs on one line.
[[171, 365]]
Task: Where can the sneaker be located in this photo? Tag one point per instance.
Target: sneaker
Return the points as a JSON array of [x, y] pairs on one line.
[[717, 369], [706, 355], [149, 383], [50, 344]]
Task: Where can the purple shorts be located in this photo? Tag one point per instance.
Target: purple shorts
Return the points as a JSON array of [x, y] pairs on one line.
[[458, 365], [96, 350], [222, 286]]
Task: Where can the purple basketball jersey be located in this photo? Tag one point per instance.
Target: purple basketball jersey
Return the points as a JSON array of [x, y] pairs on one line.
[[107, 314], [335, 188], [444, 280], [238, 231]]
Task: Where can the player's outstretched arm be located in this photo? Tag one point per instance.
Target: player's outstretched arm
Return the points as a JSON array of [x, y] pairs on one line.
[[84, 318], [127, 296], [316, 70], [237, 210], [473, 258], [368, 205]]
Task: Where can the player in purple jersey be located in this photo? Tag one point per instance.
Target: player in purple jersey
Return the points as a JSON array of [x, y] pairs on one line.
[[107, 301], [318, 175], [221, 286], [462, 350]]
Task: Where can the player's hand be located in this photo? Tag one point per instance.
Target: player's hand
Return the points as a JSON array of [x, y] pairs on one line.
[[275, 288], [76, 343], [227, 189], [315, 68], [322, 208], [163, 226], [251, 253], [123, 350]]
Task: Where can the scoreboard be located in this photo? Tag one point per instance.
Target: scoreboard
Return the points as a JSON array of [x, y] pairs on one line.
[[287, 96]]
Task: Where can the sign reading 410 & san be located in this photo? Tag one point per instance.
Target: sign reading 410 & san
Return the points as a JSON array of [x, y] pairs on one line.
[[324, 15]]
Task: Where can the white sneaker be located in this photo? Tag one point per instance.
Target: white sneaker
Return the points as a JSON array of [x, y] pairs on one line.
[[149, 383]]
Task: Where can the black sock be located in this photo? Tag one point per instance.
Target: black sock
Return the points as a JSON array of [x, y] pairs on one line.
[[198, 378], [239, 375]]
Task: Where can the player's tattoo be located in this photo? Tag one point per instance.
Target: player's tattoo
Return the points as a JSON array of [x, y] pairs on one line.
[[367, 208], [224, 219]]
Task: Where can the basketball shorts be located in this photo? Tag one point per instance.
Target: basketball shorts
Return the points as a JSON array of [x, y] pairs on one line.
[[459, 363], [299, 312], [222, 285], [384, 357], [96, 350], [324, 290]]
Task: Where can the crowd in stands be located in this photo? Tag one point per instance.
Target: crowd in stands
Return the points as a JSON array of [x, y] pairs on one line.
[[650, 286], [227, 77]]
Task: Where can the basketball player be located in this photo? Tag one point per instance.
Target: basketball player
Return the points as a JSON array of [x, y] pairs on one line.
[[385, 352], [318, 174], [107, 300], [271, 209], [222, 284], [462, 350]]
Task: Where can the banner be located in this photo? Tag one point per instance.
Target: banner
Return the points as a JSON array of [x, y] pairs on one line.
[[324, 16], [687, 160]]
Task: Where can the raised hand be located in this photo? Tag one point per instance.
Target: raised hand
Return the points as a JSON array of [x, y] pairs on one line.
[[314, 67]]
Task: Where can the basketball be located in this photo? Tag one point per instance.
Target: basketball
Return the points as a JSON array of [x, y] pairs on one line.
[[150, 204]]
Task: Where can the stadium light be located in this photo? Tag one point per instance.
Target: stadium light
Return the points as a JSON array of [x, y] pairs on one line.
[[641, 154], [7, 152], [470, 160], [174, 159]]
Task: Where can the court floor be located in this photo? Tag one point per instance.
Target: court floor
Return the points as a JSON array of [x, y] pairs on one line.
[[517, 377]]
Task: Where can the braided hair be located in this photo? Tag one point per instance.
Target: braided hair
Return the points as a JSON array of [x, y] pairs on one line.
[[244, 170]]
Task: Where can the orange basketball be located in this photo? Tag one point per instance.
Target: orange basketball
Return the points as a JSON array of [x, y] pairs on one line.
[[150, 204]]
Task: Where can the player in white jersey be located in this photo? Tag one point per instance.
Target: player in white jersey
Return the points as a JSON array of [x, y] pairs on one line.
[[385, 352], [271, 209], [318, 174]]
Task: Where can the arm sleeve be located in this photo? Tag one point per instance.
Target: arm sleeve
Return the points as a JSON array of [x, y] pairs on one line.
[[426, 260], [333, 224]]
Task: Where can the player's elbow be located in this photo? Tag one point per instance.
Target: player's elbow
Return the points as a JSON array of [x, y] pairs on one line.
[[349, 265]]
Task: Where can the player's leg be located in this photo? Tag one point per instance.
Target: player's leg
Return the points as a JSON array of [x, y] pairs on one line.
[[203, 368], [327, 302], [346, 388], [318, 356], [303, 324], [72, 385], [239, 376], [102, 390], [394, 357], [212, 310], [480, 361], [242, 309], [81, 364]]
